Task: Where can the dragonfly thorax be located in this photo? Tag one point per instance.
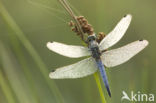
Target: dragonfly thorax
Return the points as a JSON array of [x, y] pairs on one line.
[[93, 46]]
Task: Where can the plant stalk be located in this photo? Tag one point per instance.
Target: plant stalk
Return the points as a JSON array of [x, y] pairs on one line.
[[26, 43], [71, 13], [97, 79]]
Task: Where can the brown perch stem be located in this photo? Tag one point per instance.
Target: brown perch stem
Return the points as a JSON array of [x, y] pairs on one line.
[[68, 9]]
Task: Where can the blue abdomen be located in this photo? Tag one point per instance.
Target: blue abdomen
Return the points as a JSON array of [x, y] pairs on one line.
[[103, 75]]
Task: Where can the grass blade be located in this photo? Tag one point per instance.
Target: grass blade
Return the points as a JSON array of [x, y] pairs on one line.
[[6, 89], [20, 35], [97, 79]]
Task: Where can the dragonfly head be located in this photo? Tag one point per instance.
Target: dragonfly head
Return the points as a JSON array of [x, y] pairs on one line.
[[92, 41], [91, 38]]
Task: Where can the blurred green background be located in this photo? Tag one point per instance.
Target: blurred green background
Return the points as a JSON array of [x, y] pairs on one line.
[[25, 62]]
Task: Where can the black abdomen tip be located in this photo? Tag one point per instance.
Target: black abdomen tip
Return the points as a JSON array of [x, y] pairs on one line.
[[109, 92]]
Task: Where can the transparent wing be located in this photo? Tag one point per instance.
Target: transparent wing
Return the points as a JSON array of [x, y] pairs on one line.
[[68, 50], [77, 70], [116, 34], [118, 56]]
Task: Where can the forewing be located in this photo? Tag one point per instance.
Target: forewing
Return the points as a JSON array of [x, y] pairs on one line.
[[80, 69], [118, 56], [68, 50], [116, 34]]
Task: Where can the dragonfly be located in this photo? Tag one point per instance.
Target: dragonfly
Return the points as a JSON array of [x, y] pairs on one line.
[[100, 56]]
